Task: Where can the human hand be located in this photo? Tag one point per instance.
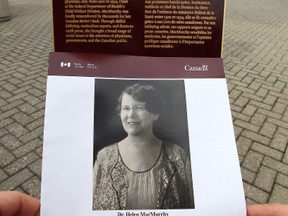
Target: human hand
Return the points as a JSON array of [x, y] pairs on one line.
[[15, 203], [267, 210]]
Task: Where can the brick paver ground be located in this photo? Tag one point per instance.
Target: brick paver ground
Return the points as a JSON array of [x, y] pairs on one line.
[[25, 41], [256, 65]]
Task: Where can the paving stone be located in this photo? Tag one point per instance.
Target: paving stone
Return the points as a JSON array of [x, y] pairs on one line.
[[262, 107], [16, 180], [234, 94], [22, 118], [249, 110], [36, 133], [262, 92], [279, 141], [39, 151], [9, 87], [241, 159], [17, 96], [5, 94], [32, 100], [285, 159], [268, 130], [279, 195], [269, 113], [10, 142], [248, 79], [243, 119], [15, 81], [17, 129], [279, 107], [27, 108], [21, 163], [273, 94], [36, 167], [237, 131], [28, 147], [241, 101], [277, 122], [248, 126], [267, 151], [12, 105], [258, 119], [256, 137], [3, 175], [8, 113], [250, 202], [243, 145], [35, 124], [36, 92], [32, 187], [252, 97], [253, 161], [265, 179], [236, 109], [255, 194], [248, 176], [285, 117], [5, 157], [276, 165], [38, 114], [282, 180], [279, 85], [19, 189], [3, 132], [41, 106], [282, 103]]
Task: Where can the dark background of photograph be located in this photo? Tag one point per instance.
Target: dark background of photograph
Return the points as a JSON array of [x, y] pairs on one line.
[[171, 125]]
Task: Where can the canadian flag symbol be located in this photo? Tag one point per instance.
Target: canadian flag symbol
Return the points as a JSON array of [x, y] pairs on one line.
[[65, 64]]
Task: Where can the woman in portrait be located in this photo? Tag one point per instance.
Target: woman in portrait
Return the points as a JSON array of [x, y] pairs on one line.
[[141, 171]]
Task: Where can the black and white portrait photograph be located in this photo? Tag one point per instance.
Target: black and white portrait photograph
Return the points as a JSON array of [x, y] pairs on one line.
[[141, 145]]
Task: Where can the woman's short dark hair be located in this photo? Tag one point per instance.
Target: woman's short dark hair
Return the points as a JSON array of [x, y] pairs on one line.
[[143, 93]]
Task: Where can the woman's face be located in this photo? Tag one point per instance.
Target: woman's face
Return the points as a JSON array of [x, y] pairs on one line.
[[136, 119]]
